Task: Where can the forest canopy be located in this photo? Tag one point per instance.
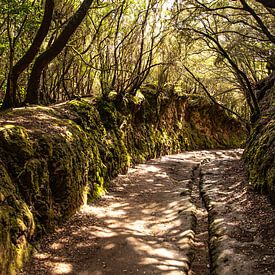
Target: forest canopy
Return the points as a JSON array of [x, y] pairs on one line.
[[52, 51]]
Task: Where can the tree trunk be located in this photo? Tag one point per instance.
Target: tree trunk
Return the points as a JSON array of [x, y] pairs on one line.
[[267, 3], [33, 93], [25, 61]]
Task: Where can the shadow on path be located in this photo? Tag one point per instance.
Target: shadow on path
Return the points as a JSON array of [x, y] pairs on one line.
[[146, 224]]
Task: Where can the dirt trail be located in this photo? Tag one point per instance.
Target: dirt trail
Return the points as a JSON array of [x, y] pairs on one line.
[[190, 213]]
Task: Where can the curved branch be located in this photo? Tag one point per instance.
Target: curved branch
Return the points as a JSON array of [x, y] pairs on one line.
[[42, 32], [25, 61], [213, 99], [259, 21], [33, 94]]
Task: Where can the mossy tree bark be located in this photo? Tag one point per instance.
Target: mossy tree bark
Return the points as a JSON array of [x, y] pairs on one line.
[[33, 94]]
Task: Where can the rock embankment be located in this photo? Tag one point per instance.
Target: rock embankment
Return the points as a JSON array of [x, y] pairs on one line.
[[259, 154], [54, 159]]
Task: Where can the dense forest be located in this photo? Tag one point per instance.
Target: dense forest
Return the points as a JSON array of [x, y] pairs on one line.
[[91, 88], [52, 51]]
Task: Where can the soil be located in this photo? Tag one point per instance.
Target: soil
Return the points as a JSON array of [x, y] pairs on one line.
[[191, 213]]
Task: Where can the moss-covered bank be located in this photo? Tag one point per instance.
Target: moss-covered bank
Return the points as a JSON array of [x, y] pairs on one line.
[[259, 154], [52, 159]]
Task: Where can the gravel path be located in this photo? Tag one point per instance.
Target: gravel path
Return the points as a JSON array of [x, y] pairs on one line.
[[191, 213]]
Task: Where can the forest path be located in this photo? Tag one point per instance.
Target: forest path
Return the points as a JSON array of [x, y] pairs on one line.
[[161, 217]]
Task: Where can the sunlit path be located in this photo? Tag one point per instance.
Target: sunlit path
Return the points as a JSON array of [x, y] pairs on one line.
[[153, 221]]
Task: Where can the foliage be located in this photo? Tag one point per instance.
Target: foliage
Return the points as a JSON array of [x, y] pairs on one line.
[[215, 48], [230, 44], [55, 158]]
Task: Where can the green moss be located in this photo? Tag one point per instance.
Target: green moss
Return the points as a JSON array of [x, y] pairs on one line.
[[75, 149], [14, 142], [98, 192], [15, 139], [108, 114], [16, 226], [259, 154]]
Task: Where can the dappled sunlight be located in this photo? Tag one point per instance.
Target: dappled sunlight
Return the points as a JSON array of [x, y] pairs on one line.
[[42, 256], [150, 168], [62, 268], [164, 258], [109, 246], [163, 175], [147, 224], [144, 219], [56, 246]]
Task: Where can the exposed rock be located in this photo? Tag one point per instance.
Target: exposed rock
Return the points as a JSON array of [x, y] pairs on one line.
[[259, 154]]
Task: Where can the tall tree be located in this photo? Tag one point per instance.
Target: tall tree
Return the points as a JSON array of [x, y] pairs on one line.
[[229, 31], [15, 70], [33, 92]]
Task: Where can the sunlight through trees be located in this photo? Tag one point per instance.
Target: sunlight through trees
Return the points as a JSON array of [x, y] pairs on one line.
[[54, 51]]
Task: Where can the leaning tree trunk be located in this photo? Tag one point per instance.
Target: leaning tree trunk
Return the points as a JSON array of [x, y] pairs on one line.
[[33, 93], [28, 57]]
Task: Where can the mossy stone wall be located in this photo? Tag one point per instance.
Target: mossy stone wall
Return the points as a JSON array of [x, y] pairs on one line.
[[259, 154], [54, 159]]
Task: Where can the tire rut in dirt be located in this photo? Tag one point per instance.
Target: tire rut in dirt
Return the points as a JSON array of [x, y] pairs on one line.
[[200, 257], [222, 195]]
